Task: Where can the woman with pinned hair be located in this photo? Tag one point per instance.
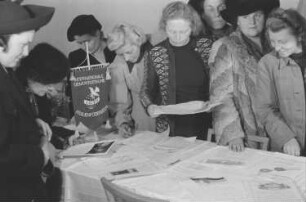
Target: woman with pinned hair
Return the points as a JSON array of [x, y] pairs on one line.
[[233, 70], [280, 100], [130, 44], [176, 73]]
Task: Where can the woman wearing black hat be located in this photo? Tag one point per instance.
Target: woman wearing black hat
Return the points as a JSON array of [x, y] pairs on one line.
[[42, 73], [24, 152], [233, 63]]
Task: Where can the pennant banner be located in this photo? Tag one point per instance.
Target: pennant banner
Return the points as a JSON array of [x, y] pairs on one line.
[[89, 86]]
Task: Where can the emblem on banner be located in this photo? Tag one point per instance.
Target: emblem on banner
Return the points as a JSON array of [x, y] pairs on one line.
[[93, 98]]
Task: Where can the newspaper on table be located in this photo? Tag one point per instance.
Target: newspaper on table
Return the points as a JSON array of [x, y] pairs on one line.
[[101, 148]]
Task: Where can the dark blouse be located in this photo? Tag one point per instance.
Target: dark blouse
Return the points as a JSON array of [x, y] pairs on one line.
[[191, 84]]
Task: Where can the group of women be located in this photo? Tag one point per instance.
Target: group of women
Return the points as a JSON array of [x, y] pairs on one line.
[[248, 55], [245, 58]]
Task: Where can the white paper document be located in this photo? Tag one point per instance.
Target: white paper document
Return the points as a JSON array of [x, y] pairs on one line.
[[88, 149]]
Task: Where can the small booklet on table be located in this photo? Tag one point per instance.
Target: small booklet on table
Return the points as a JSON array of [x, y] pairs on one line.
[[100, 148]]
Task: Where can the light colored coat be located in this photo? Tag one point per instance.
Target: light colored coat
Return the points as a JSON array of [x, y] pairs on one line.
[[124, 92], [280, 100]]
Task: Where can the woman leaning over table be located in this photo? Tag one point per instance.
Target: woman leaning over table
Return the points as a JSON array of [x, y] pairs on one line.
[[210, 11], [130, 44], [233, 68], [280, 103], [176, 72]]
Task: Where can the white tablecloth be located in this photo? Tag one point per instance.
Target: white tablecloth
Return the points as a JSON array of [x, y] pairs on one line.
[[170, 165]]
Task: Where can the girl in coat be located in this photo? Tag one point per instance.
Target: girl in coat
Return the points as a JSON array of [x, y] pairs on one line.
[[280, 100]]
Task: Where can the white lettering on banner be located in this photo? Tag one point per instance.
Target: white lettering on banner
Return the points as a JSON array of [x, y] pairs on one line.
[[83, 83], [90, 77], [92, 114]]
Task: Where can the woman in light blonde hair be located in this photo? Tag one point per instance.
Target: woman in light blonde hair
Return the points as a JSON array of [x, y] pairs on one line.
[[176, 73], [130, 44]]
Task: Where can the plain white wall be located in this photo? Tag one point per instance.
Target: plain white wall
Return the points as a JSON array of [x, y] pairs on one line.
[[144, 13]]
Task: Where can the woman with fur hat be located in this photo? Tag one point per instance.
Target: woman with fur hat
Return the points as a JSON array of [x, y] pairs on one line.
[[233, 69], [281, 81], [130, 44], [25, 152]]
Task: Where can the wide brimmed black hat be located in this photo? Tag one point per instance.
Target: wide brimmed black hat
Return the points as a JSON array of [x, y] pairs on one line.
[[235, 8], [15, 18], [82, 24]]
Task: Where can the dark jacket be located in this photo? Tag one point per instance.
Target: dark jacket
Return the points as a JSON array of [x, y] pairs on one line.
[[21, 158], [159, 85]]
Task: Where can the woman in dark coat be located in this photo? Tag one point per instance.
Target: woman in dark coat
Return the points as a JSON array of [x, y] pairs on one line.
[[24, 152]]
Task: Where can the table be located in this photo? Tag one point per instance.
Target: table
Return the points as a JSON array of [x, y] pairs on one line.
[[185, 169]]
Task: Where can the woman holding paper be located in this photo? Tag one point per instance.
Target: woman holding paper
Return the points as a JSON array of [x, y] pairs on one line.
[[176, 73], [233, 69], [130, 44], [281, 82]]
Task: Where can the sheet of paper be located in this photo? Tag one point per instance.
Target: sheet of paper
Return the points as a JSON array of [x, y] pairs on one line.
[[223, 157], [88, 149], [282, 165], [274, 189], [192, 107], [118, 166], [145, 138], [173, 144]]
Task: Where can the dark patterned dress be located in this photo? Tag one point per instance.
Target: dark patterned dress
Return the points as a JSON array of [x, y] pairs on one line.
[[160, 84]]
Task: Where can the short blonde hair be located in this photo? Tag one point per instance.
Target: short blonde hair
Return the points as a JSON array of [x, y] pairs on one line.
[[125, 34], [181, 10]]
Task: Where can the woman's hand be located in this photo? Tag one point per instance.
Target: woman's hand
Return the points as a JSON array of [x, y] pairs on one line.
[[49, 151], [125, 130], [236, 145], [292, 147], [45, 128]]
